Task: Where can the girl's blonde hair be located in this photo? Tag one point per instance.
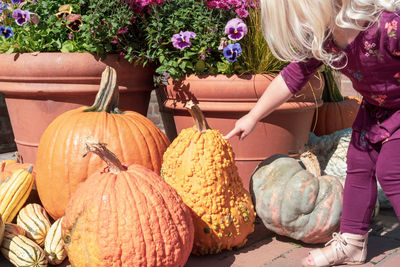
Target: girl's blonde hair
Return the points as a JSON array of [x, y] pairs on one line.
[[297, 29]]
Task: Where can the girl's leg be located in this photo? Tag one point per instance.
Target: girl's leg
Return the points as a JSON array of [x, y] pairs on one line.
[[360, 189], [359, 199], [388, 172]]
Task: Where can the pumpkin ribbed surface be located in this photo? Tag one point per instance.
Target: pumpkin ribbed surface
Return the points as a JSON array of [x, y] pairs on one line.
[[59, 165], [200, 165], [21, 251], [128, 218], [34, 220], [54, 244], [292, 201], [14, 192]]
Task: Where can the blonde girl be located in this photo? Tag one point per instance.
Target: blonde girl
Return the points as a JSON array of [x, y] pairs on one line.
[[361, 38]]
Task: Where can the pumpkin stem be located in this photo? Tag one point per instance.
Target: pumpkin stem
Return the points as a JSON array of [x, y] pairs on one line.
[[30, 169], [198, 116], [311, 163], [92, 145], [108, 96]]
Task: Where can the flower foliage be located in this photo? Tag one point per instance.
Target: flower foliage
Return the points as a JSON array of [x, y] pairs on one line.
[[94, 26], [192, 36]]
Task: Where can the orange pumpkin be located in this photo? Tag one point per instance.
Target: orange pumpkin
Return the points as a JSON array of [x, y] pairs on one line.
[[126, 216], [59, 164], [334, 116]]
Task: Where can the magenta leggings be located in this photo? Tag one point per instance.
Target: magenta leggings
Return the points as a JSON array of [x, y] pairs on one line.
[[367, 162]]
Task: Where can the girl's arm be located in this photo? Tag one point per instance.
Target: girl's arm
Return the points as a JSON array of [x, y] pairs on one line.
[[276, 94]]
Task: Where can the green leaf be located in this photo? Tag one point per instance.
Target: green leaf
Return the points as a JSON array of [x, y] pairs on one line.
[[67, 47]]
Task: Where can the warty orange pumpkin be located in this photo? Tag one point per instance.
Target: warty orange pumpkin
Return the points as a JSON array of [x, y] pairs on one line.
[[126, 216], [59, 164], [200, 165]]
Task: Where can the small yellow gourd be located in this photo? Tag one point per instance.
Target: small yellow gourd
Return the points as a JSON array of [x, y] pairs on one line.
[[54, 244], [21, 251], [14, 192], [34, 220]]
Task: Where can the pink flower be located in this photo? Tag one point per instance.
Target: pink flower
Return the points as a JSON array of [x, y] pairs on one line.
[[236, 29], [122, 31], [391, 26]]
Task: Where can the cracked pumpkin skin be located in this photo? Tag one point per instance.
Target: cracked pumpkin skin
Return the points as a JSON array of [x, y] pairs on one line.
[[199, 165]]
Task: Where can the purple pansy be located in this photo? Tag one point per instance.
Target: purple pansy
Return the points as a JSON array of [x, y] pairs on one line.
[[235, 29], [7, 32], [20, 16], [16, 2], [232, 51], [182, 39]]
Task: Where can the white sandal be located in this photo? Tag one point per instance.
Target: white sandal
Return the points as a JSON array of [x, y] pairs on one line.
[[343, 248]]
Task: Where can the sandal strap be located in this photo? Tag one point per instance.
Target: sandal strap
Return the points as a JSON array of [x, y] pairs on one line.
[[319, 258]]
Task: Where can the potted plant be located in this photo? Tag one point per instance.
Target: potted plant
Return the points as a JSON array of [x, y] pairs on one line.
[[213, 52], [52, 54], [337, 112]]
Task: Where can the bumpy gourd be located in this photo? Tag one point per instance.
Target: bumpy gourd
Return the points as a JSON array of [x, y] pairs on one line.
[[34, 220], [297, 202], [200, 165], [54, 244], [21, 251], [14, 192], [59, 164], [126, 216]]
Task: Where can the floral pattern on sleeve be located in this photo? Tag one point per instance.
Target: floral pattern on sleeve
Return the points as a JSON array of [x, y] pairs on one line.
[[392, 28]]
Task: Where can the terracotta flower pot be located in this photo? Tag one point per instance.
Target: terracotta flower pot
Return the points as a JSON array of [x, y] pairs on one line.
[[38, 88], [224, 99]]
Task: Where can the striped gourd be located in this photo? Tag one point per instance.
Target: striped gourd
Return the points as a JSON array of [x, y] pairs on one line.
[[34, 220], [21, 251], [13, 228], [54, 244], [14, 192]]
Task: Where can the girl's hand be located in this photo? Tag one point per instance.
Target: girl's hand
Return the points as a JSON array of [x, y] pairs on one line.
[[243, 127]]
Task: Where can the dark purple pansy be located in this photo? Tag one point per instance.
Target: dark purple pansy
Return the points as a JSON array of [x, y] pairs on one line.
[[232, 51], [21, 17], [7, 32], [16, 2], [235, 29], [182, 39]]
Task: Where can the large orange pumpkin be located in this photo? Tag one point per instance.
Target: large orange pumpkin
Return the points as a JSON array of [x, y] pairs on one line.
[[59, 164], [126, 216]]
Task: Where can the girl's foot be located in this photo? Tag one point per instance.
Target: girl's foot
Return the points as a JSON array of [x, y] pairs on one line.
[[344, 248]]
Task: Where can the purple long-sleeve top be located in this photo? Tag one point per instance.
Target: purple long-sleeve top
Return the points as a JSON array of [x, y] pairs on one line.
[[374, 68]]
